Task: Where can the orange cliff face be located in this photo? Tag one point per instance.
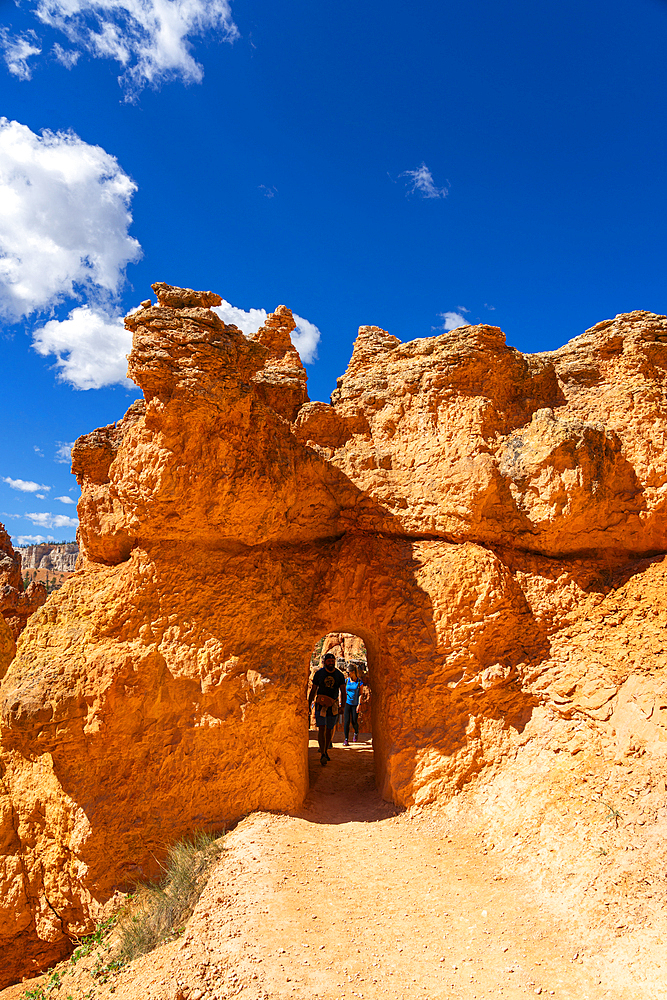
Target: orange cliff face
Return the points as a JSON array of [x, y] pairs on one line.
[[460, 507], [16, 604]]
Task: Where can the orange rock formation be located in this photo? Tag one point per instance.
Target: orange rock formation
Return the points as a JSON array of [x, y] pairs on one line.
[[489, 524], [344, 646], [16, 604]]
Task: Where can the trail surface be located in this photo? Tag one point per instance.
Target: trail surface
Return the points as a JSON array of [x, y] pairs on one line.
[[349, 899]]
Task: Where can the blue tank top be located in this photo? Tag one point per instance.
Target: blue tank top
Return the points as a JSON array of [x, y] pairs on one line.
[[352, 690]]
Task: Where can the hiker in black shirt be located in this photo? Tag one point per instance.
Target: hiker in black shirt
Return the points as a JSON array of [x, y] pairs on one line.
[[327, 685]]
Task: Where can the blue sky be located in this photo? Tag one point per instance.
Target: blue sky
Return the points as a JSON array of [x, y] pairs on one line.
[[405, 165]]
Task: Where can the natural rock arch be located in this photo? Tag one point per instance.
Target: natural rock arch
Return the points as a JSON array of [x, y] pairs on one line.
[[455, 506]]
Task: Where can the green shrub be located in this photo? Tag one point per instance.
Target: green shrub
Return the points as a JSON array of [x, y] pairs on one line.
[[160, 909], [89, 943], [43, 992]]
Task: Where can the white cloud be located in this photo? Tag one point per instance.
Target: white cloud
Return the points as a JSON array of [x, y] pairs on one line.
[[421, 181], [305, 338], [90, 348], [64, 219], [268, 192], [17, 49], [40, 496], [149, 38], [65, 499], [63, 452], [24, 485], [52, 520], [66, 57], [38, 450], [31, 539], [247, 321], [452, 320]]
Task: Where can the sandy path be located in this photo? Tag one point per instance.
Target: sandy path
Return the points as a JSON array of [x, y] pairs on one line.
[[348, 899], [357, 901]]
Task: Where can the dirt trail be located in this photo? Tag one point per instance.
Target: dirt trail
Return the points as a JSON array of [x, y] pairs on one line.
[[348, 899]]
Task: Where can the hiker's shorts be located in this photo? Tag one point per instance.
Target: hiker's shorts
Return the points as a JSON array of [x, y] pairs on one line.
[[324, 719]]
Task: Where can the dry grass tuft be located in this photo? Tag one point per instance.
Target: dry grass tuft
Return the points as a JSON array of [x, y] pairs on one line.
[[159, 910]]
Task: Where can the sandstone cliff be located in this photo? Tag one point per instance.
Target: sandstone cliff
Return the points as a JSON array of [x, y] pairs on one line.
[[59, 558], [344, 646], [491, 525], [16, 604]]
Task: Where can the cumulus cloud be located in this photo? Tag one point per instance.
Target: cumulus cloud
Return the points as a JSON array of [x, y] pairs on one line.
[[63, 452], [305, 338], [48, 520], [64, 219], [248, 321], [420, 181], [90, 347], [149, 38], [65, 499], [17, 49], [452, 320], [25, 485], [20, 540]]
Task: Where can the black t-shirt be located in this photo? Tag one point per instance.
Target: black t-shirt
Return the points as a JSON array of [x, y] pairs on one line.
[[329, 683]]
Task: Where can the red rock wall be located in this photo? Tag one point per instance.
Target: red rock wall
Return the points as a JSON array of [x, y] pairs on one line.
[[459, 507], [16, 604]]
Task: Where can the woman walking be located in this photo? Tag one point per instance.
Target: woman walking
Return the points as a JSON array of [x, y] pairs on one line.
[[351, 708]]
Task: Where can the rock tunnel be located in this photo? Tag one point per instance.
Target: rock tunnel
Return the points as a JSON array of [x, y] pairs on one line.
[[452, 506]]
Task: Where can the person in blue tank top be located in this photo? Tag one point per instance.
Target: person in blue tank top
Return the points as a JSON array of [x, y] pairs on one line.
[[351, 708]]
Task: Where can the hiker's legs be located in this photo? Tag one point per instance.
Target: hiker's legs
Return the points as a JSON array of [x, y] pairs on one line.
[[329, 733], [346, 720], [355, 718], [321, 739]]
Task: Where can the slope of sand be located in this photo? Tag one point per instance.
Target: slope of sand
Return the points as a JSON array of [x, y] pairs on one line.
[[350, 899], [47, 575]]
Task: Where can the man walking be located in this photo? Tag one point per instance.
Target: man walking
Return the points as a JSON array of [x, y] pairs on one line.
[[328, 684]]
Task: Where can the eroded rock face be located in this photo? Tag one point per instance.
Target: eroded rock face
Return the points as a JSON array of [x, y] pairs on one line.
[[281, 382], [16, 604], [344, 646], [59, 558], [467, 511]]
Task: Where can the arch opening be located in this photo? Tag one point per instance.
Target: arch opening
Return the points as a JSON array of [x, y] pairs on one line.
[[346, 736]]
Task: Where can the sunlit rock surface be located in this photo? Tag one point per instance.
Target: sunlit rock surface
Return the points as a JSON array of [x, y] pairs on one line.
[[489, 524], [16, 604]]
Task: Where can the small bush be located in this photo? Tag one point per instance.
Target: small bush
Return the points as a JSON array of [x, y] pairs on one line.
[[160, 909], [43, 992], [89, 943]]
